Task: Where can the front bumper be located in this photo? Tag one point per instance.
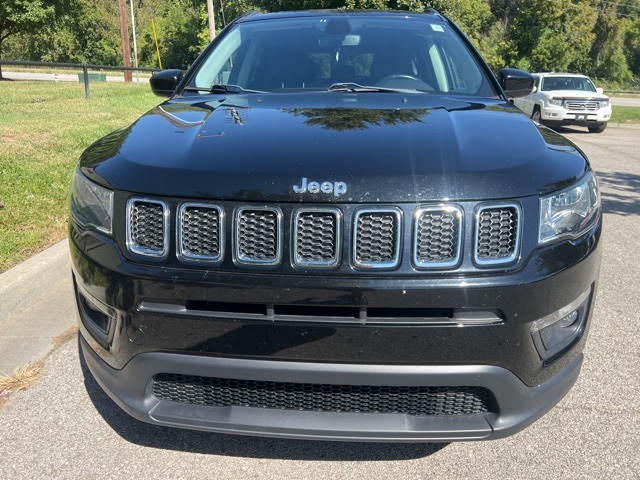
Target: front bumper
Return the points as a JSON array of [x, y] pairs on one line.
[[519, 405], [137, 322], [582, 118]]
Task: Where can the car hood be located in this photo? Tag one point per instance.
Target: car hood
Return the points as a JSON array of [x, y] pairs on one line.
[[383, 147], [578, 94]]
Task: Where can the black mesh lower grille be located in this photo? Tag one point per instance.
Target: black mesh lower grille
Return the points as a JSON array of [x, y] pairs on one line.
[[418, 400]]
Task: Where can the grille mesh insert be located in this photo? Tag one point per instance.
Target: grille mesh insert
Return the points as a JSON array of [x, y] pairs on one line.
[[419, 400], [200, 232], [376, 238], [257, 236], [146, 227], [497, 233], [316, 238], [437, 239]]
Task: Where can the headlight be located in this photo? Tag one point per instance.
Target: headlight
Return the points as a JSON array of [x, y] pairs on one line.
[[571, 212], [555, 101], [91, 204], [605, 103]]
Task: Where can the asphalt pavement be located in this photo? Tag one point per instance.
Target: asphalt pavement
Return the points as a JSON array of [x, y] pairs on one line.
[[66, 427]]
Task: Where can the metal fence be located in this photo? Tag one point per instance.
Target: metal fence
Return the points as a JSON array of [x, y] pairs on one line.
[[85, 67]]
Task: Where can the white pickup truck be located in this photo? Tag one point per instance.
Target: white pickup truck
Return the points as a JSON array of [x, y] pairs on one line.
[[566, 99]]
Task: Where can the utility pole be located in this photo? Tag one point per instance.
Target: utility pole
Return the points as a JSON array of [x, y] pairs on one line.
[[135, 47], [212, 20], [124, 39]]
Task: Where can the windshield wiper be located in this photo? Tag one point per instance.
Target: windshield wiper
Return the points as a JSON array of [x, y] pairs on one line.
[[232, 89], [355, 87], [219, 88]]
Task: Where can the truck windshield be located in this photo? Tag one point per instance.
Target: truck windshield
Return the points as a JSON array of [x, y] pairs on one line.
[[567, 83]]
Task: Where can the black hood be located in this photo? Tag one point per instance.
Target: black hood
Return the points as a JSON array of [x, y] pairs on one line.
[[384, 147]]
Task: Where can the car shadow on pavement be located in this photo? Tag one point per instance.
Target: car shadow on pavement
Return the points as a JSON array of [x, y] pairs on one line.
[[154, 436], [620, 193]]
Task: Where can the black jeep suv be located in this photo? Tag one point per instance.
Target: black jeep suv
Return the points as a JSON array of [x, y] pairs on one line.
[[336, 227]]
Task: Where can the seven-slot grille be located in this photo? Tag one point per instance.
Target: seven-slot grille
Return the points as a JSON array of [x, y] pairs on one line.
[[376, 235], [408, 400], [498, 233]]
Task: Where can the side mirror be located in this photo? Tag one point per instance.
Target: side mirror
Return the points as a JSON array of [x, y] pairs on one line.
[[515, 83], [164, 83], [600, 90]]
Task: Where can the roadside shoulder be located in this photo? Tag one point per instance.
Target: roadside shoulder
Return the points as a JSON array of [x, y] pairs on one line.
[[26, 282]]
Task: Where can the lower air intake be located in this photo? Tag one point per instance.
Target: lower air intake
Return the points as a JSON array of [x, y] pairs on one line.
[[417, 400]]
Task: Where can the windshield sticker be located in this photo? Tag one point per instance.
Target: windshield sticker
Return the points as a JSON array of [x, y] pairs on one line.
[[437, 28]]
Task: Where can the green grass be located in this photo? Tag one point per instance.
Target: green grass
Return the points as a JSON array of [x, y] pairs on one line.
[[44, 127], [625, 115]]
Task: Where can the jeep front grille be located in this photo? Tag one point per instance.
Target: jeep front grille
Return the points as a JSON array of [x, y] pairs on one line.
[[147, 227], [258, 236], [408, 400], [317, 237], [376, 243], [200, 231], [498, 234], [346, 238], [437, 237]]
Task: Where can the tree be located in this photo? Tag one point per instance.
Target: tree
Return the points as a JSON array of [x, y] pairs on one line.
[[17, 16], [180, 29]]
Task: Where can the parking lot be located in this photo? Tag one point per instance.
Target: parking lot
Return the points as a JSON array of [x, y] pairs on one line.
[[66, 427]]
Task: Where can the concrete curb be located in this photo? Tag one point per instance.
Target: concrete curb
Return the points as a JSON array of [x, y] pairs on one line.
[[624, 125], [26, 282]]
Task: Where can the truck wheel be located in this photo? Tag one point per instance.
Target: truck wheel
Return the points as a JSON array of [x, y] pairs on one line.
[[535, 116], [598, 128]]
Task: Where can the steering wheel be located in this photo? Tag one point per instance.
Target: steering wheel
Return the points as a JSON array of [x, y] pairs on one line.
[[403, 80]]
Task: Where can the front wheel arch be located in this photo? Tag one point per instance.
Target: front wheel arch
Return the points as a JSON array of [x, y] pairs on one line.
[[536, 115]]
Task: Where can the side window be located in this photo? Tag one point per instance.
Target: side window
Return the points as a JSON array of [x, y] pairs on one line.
[[215, 66], [457, 80], [453, 70], [438, 69], [224, 74]]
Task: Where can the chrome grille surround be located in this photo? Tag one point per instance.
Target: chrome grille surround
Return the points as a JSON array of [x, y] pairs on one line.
[[258, 236], [147, 227], [317, 237], [497, 236], [321, 236], [437, 235], [377, 235], [591, 105], [201, 232]]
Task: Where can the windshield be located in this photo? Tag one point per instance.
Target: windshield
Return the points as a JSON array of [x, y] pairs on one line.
[[567, 83], [316, 53]]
